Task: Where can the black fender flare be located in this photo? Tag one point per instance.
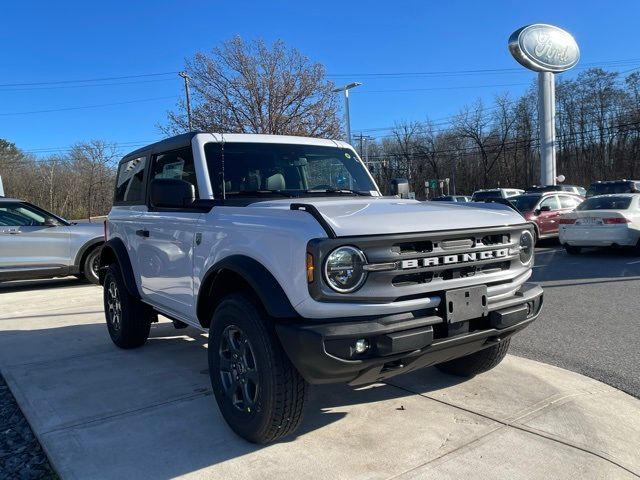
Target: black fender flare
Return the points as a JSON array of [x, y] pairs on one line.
[[114, 251], [257, 276], [84, 249]]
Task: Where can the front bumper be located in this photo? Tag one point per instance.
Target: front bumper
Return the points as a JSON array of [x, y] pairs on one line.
[[322, 351]]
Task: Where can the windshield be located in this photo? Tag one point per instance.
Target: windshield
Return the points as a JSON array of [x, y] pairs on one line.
[[609, 188], [605, 203], [263, 168], [487, 194], [524, 203]]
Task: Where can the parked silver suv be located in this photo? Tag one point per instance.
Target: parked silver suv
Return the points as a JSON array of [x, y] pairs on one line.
[[35, 243]]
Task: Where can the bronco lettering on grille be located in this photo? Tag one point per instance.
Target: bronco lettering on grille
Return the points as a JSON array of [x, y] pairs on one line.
[[452, 259]]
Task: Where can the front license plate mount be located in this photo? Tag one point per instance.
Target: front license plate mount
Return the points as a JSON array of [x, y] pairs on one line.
[[466, 304]]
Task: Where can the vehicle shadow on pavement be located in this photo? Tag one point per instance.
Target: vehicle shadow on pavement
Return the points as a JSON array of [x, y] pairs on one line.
[[72, 381], [42, 284], [590, 265]]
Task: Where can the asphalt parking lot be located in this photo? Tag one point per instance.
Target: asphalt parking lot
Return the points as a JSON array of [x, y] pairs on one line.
[[591, 318], [101, 412]]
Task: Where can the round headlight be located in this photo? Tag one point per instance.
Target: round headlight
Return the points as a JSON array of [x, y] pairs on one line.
[[526, 247], [343, 269]]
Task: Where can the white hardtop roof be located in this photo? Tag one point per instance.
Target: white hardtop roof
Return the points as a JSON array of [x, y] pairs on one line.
[[287, 139]]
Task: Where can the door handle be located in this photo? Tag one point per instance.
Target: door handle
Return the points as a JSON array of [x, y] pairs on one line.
[[11, 232], [143, 233]]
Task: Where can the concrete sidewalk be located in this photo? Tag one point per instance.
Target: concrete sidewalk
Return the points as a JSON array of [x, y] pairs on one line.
[[101, 412]]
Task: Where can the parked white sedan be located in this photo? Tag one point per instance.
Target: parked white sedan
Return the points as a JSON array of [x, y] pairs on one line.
[[602, 221]]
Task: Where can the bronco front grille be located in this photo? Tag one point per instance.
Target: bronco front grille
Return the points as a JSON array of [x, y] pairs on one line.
[[413, 265]]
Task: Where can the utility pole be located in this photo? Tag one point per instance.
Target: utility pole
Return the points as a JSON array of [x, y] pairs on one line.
[[186, 78], [347, 119], [360, 137]]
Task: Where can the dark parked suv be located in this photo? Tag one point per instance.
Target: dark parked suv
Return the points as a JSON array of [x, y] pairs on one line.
[[613, 187]]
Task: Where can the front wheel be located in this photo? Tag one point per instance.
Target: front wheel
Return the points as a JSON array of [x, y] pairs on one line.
[[476, 363], [258, 390], [128, 319]]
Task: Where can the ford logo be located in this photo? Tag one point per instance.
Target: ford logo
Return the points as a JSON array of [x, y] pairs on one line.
[[544, 48]]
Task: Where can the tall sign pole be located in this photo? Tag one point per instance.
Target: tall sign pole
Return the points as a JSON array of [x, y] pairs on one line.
[[547, 127], [547, 50]]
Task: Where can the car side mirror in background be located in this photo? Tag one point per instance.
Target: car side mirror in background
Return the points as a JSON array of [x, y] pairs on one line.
[[546, 208], [171, 193], [399, 187], [50, 222]]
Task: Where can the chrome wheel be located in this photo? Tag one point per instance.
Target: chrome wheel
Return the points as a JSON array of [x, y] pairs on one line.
[[114, 307], [238, 369]]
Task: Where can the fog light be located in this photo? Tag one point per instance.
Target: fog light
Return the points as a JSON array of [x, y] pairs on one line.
[[362, 345]]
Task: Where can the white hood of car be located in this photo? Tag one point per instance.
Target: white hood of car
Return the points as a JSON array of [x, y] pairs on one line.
[[376, 215]]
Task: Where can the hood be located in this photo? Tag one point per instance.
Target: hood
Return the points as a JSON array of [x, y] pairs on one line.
[[90, 228], [377, 215]]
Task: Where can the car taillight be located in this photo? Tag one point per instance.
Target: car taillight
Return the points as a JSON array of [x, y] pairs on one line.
[[615, 220], [104, 226], [567, 221]]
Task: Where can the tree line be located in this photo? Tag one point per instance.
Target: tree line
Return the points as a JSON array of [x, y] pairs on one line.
[[252, 87], [76, 184], [597, 138]]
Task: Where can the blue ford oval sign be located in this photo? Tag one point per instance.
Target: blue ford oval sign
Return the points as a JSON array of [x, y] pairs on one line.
[[544, 48]]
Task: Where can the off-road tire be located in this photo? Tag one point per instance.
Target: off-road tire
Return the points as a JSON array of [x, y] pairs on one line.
[[572, 250], [277, 399], [476, 363], [91, 261], [131, 328]]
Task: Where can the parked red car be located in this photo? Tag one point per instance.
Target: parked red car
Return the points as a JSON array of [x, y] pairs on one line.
[[545, 208]]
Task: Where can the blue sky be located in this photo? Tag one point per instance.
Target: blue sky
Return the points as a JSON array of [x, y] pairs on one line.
[[73, 40]]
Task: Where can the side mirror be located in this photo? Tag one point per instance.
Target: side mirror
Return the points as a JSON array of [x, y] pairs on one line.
[[50, 222], [399, 187], [171, 193], [546, 208]]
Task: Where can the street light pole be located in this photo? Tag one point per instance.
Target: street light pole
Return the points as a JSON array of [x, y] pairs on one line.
[[186, 78], [347, 119]]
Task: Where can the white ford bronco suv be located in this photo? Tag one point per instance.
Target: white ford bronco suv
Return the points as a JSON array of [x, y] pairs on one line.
[[284, 249]]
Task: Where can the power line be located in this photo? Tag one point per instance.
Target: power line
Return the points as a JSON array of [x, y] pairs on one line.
[[463, 87], [86, 80], [134, 143], [450, 118], [492, 71], [91, 85], [83, 107], [511, 142]]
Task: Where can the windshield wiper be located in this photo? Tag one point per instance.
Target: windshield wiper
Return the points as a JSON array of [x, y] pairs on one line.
[[263, 192], [342, 191]]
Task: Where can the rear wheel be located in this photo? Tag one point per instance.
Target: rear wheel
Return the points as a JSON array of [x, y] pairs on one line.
[[260, 393], [572, 250], [91, 265], [476, 363], [128, 319]]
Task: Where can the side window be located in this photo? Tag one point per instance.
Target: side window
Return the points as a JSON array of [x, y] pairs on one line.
[[130, 181], [20, 215], [569, 202], [177, 164], [551, 202]]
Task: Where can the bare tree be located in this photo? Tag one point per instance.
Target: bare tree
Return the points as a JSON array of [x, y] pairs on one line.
[[93, 163], [253, 88], [489, 135]]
